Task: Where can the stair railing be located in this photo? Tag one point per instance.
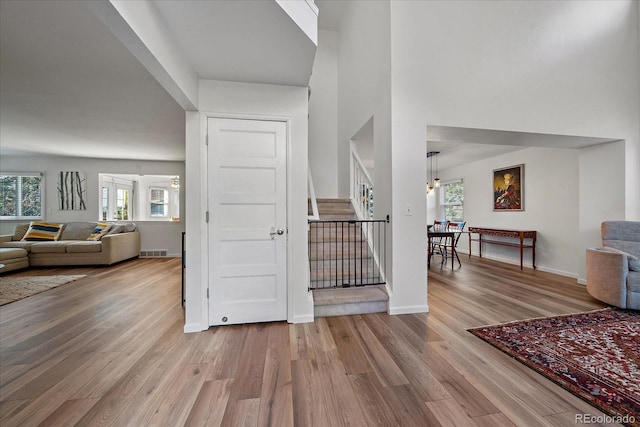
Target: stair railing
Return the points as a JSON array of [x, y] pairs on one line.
[[345, 253], [312, 196], [362, 201], [361, 187]]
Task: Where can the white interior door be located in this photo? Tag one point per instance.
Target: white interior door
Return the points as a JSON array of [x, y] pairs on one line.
[[247, 226]]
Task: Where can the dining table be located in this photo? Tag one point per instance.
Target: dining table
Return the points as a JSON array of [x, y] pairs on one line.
[[433, 234]]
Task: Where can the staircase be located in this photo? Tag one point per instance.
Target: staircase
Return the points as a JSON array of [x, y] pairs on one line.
[[341, 264]]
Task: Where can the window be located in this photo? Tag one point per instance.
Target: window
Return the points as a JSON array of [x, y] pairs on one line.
[[135, 197], [122, 204], [105, 203], [159, 199], [453, 201], [21, 195]]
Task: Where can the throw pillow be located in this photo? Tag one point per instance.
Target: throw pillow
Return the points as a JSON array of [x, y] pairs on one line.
[[634, 262], [116, 229], [43, 231], [78, 230], [101, 229]]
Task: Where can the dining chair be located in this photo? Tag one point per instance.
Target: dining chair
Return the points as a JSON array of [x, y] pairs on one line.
[[440, 225], [447, 248], [437, 241]]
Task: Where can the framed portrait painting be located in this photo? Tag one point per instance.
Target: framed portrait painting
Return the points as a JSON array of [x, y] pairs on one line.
[[508, 188]]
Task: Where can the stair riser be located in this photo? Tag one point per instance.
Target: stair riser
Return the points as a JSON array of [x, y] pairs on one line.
[[337, 217], [329, 251], [335, 236], [348, 212], [332, 230], [350, 309], [342, 264], [337, 284], [332, 204], [337, 277]]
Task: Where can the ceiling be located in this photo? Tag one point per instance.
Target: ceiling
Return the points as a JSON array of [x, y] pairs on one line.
[[242, 41], [69, 87], [458, 146]]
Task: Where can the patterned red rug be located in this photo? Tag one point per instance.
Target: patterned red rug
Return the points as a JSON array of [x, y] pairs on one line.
[[594, 355]]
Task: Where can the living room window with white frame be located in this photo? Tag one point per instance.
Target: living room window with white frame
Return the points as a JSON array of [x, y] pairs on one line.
[[123, 206], [139, 197], [452, 200], [159, 203], [21, 195], [105, 203]]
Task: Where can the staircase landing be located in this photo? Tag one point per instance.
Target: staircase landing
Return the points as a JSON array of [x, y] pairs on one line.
[[346, 301]]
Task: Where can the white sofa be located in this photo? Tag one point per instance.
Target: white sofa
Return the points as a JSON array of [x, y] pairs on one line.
[[72, 248]]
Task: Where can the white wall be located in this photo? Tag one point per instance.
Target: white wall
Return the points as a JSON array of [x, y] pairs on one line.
[[543, 71], [323, 117], [364, 70], [248, 100], [153, 234], [364, 92], [364, 146], [602, 194], [521, 66]]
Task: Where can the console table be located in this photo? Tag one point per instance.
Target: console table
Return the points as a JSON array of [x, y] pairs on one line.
[[521, 235]]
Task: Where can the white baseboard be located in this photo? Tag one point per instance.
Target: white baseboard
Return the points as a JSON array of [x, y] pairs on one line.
[[409, 309], [559, 272], [307, 318], [513, 261], [193, 327]]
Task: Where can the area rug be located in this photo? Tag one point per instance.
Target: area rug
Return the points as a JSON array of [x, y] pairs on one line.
[[16, 288], [594, 355]]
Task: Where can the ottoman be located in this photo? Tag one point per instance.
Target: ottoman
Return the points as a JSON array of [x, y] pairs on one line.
[[13, 259]]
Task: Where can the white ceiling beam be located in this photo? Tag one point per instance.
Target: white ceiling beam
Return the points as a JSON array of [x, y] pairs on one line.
[[139, 26], [304, 14]]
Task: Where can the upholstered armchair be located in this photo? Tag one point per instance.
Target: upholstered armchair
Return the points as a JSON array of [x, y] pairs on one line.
[[613, 270]]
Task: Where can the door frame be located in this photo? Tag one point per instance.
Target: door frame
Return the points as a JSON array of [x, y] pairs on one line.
[[204, 118]]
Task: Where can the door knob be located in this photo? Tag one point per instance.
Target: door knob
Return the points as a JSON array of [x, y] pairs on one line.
[[279, 232]]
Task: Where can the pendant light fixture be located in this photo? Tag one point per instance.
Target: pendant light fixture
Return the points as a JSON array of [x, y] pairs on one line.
[[175, 182], [432, 182], [436, 181]]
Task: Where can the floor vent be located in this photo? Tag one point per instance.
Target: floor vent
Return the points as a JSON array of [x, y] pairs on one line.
[[153, 253]]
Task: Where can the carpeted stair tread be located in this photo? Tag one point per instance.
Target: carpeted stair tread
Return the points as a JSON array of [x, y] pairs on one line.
[[350, 295], [334, 209]]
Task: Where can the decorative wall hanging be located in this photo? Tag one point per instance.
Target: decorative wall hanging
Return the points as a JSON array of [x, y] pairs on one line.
[[72, 191], [508, 188]]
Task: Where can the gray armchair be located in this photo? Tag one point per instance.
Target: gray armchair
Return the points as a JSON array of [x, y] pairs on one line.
[[613, 270]]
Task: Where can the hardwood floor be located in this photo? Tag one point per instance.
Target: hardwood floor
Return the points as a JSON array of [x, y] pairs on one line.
[[109, 349]]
